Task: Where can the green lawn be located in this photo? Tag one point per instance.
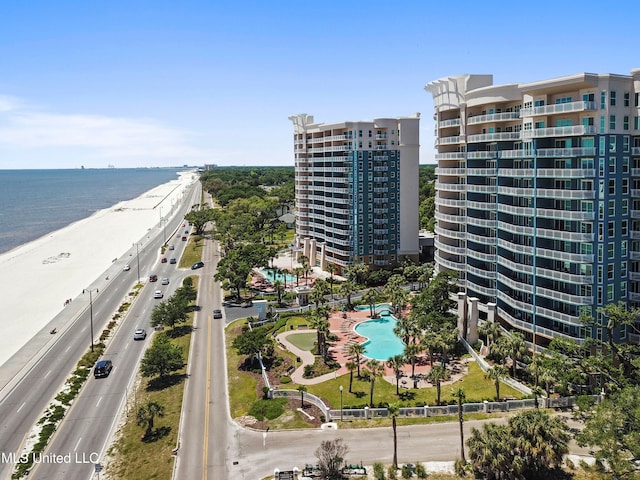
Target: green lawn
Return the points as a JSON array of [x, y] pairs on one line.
[[304, 341]]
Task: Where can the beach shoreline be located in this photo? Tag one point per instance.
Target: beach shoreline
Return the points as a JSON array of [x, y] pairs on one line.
[[40, 278]]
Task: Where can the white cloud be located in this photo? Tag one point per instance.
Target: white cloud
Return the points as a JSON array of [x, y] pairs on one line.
[[24, 129]]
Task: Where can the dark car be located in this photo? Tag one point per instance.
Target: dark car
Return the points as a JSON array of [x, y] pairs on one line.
[[197, 265], [153, 278], [184, 239], [173, 261], [217, 313], [164, 260], [103, 369]]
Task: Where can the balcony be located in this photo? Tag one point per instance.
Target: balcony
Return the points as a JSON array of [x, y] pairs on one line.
[[515, 154], [451, 187], [559, 131], [558, 108], [483, 172], [450, 264], [380, 147], [381, 136], [449, 140], [450, 156], [454, 122], [493, 137], [457, 172], [493, 117], [482, 155], [635, 151], [566, 152], [565, 172]]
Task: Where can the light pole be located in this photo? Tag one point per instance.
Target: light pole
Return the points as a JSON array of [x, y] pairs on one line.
[[341, 403], [90, 290], [138, 260]]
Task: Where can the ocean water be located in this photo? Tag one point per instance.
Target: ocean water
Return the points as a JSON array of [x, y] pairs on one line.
[[34, 203]]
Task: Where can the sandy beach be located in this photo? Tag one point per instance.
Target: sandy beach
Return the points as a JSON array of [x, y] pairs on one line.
[[37, 278]]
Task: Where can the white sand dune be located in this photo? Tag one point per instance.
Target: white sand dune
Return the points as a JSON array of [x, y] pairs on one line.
[[37, 278]]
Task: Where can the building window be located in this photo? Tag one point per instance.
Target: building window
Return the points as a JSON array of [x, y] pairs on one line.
[[636, 122], [600, 303], [612, 165], [625, 122], [611, 250], [612, 144], [612, 122], [601, 123], [609, 293], [625, 206], [612, 99], [623, 293], [625, 186], [612, 187], [623, 269], [623, 248], [610, 271], [625, 144], [600, 272], [360, 133], [626, 99], [610, 226], [603, 100], [624, 227], [600, 253], [636, 99]]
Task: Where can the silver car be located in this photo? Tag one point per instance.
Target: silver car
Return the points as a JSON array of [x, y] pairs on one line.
[[139, 334]]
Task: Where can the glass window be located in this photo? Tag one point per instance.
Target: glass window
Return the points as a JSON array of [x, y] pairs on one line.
[[623, 269], [612, 99], [609, 293], [625, 186], [626, 99], [610, 271], [603, 100], [624, 227], [601, 123], [625, 122], [612, 143], [625, 206], [623, 293], [611, 250], [612, 164], [612, 187], [625, 144], [623, 248], [612, 122]]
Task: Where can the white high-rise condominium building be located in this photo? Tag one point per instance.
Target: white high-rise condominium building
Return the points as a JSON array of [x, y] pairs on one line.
[[538, 198], [356, 187]]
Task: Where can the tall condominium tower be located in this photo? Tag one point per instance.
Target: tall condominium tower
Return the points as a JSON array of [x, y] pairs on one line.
[[538, 198], [356, 187]]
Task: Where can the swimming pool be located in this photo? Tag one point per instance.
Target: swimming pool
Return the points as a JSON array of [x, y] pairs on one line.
[[382, 343], [269, 274]]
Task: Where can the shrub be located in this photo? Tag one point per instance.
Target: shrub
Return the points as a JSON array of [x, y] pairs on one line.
[[421, 471], [378, 471], [285, 379], [392, 472], [269, 409], [407, 471]]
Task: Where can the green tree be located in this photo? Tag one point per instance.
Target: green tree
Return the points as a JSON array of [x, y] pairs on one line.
[[491, 331], [375, 369], [394, 411], [357, 273], [279, 288], [396, 363], [613, 427], [331, 268], [351, 366], [355, 350], [529, 446], [199, 218], [347, 289], [161, 358], [437, 375], [460, 396], [252, 342], [146, 415], [372, 297], [302, 389], [411, 353], [496, 374]]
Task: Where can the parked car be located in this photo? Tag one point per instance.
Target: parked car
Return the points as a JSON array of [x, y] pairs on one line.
[[184, 239], [157, 294], [217, 313], [197, 265], [173, 261], [140, 334], [164, 260], [171, 247], [103, 368], [126, 268], [153, 278], [165, 281]]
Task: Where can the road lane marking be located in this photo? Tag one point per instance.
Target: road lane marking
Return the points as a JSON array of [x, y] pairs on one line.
[[23, 404], [75, 449], [99, 400], [67, 349], [205, 450], [126, 346], [47, 374]]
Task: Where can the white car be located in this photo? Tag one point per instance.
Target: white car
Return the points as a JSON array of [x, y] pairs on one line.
[[126, 268], [165, 281], [158, 294], [139, 334]]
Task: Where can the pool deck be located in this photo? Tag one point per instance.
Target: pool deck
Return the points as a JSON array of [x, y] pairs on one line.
[[344, 329]]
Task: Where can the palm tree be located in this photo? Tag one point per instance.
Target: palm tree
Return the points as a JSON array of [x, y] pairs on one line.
[[459, 395], [537, 392], [279, 288], [394, 411], [331, 268], [320, 324], [396, 363], [411, 352], [351, 366], [496, 374], [147, 414], [371, 297], [376, 369], [298, 271], [492, 331], [304, 261], [346, 289], [302, 389], [437, 375], [356, 349], [405, 328], [517, 349]]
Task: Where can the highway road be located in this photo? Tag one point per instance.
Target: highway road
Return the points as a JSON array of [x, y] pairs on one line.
[[88, 424]]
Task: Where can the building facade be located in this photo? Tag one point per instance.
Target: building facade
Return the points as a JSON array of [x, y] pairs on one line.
[[356, 191], [538, 198]]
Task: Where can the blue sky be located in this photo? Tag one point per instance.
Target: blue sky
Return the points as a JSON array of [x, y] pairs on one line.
[[162, 83]]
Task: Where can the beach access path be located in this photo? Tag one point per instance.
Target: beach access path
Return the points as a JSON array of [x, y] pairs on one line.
[[40, 279]]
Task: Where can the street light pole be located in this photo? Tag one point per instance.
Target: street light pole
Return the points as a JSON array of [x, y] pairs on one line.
[[341, 403], [138, 261], [90, 290]]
